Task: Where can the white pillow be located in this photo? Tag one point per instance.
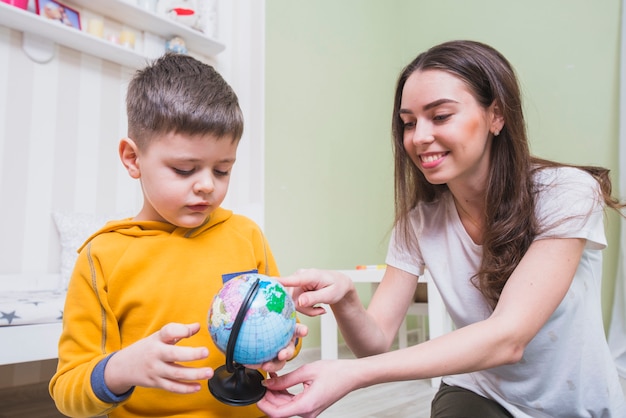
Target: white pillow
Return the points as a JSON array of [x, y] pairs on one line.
[[74, 229]]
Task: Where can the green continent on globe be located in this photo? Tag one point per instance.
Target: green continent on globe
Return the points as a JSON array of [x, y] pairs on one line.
[[275, 298]]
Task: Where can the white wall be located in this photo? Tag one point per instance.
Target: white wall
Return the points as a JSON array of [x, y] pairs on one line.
[[59, 126], [241, 28]]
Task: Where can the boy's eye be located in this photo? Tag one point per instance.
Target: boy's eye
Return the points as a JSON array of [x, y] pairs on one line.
[[182, 172], [221, 173]]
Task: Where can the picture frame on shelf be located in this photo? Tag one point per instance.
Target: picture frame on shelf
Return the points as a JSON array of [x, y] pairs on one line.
[[55, 10]]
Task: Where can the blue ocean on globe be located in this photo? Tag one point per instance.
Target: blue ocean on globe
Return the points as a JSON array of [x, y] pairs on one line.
[[269, 324]]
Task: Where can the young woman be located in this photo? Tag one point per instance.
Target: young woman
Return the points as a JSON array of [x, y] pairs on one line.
[[511, 241]]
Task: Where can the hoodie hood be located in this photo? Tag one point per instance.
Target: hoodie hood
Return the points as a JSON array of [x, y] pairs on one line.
[[134, 228]]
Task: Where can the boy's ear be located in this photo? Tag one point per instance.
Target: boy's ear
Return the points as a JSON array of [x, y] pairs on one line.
[[129, 155]]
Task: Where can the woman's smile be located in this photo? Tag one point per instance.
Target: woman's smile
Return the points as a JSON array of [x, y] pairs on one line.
[[431, 160]]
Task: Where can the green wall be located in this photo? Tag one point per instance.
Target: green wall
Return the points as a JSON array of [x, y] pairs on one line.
[[331, 67]]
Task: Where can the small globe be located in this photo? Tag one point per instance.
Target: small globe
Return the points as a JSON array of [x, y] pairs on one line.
[[268, 326]]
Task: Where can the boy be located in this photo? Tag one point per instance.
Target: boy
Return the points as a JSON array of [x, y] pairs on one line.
[[131, 344]]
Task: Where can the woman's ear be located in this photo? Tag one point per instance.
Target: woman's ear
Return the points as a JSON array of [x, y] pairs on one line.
[[497, 119], [129, 156]]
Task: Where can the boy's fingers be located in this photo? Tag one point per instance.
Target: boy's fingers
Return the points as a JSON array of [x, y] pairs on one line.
[[173, 332]]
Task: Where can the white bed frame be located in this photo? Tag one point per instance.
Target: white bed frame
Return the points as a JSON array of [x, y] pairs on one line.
[[23, 343]]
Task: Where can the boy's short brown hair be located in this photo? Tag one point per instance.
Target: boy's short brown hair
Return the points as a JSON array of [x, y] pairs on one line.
[[179, 94]]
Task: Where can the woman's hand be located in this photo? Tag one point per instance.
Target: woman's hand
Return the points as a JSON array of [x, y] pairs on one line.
[[153, 362], [311, 287], [324, 383]]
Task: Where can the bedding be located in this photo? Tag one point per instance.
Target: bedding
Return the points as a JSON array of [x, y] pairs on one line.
[[31, 299], [32, 307], [74, 229]]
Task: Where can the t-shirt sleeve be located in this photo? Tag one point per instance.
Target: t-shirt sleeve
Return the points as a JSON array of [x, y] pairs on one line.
[[570, 205], [401, 257]]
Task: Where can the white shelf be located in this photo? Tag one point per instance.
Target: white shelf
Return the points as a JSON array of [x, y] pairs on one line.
[[25, 21], [145, 20]]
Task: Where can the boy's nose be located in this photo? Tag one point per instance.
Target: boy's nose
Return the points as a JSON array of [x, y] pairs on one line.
[[204, 184]]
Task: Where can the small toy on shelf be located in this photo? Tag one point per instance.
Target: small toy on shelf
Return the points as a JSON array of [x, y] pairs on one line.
[[127, 38], [182, 11], [176, 44], [95, 26]]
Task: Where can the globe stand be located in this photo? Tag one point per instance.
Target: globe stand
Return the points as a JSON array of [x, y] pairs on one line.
[[232, 383]]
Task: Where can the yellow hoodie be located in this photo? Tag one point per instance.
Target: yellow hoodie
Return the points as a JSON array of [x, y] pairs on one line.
[[132, 278]]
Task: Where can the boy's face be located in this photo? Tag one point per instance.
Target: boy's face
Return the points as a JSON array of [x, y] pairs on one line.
[[184, 178]]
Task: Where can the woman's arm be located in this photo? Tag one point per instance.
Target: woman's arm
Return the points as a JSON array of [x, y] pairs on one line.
[[532, 293], [366, 332], [373, 331]]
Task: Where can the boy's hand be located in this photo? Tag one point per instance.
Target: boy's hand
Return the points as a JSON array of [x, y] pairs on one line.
[[153, 362], [286, 353]]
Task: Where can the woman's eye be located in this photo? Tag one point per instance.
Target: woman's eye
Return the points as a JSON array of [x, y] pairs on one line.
[[441, 118], [408, 125]]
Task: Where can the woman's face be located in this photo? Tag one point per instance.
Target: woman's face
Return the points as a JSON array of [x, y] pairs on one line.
[[447, 133]]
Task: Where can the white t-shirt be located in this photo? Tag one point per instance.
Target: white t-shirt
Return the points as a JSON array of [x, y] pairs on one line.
[[567, 369]]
